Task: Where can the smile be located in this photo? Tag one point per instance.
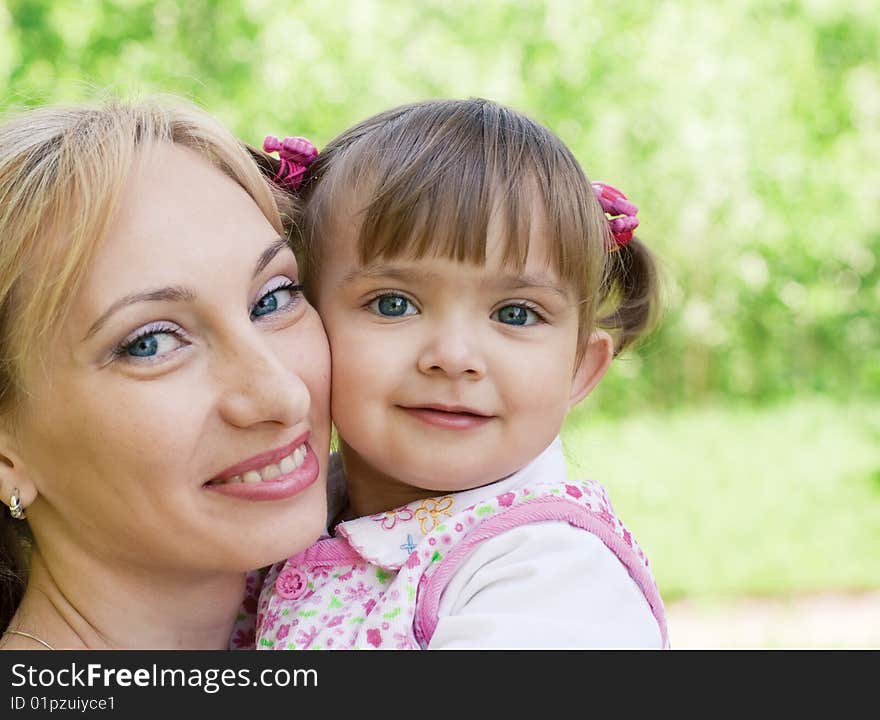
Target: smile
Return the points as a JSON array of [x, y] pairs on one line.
[[274, 475], [270, 471], [448, 417]]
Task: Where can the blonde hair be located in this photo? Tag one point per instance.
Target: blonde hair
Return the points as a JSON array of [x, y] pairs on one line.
[[62, 171], [428, 179], [62, 174]]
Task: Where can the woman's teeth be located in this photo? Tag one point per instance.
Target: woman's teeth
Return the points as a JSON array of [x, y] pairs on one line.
[[270, 472]]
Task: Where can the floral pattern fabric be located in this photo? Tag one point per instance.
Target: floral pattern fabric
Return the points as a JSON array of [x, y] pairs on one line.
[[353, 601]]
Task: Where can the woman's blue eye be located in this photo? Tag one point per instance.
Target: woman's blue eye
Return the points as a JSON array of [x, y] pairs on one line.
[[515, 315], [392, 306], [273, 300], [144, 347], [151, 344]]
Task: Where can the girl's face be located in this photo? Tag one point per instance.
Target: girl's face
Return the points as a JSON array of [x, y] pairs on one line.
[[449, 375], [189, 363]]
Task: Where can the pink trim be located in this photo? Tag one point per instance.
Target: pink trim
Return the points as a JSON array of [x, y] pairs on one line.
[[327, 552], [530, 511]]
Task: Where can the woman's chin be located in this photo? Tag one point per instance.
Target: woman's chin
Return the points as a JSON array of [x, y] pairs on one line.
[[283, 532]]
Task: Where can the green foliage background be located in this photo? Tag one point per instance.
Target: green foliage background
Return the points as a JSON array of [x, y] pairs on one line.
[[748, 132]]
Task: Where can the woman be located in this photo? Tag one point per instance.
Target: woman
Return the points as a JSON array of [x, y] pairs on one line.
[[164, 386]]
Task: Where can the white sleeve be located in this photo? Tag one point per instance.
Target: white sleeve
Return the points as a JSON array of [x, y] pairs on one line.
[[544, 586]]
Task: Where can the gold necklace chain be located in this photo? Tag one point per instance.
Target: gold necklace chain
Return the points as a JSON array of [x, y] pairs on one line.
[[28, 635]]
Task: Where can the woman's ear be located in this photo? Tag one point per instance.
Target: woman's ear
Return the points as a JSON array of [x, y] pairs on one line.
[[592, 366], [13, 474]]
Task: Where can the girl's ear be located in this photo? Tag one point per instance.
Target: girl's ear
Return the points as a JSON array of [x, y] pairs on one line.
[[590, 370], [13, 474]]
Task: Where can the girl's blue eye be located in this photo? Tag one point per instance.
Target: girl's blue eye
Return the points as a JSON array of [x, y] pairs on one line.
[[515, 315], [276, 299], [392, 306]]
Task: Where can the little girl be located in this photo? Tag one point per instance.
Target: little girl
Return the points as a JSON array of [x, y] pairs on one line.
[[473, 290]]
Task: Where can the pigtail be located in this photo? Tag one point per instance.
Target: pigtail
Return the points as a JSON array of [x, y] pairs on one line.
[[630, 298], [268, 164]]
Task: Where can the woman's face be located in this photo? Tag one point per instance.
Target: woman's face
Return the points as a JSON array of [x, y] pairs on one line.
[[163, 430]]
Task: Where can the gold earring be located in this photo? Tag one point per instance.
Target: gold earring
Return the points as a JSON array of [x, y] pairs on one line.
[[15, 508]]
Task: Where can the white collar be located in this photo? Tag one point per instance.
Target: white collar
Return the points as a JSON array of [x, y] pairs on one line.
[[387, 538]]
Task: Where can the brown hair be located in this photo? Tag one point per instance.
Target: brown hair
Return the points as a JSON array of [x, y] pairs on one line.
[[62, 170], [428, 177]]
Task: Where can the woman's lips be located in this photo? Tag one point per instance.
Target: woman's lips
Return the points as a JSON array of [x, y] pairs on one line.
[[449, 419], [269, 485], [258, 462]]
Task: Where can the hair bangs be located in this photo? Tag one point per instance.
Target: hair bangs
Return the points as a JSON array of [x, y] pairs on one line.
[[449, 221], [435, 179]]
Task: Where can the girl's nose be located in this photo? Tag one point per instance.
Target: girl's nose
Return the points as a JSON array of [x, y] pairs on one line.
[[453, 351]]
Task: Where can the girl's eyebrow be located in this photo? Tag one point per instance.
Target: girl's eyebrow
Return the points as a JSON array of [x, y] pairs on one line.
[[372, 272], [529, 282], [176, 293], [501, 282]]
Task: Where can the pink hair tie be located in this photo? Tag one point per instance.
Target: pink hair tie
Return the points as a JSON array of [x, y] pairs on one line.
[[296, 155], [621, 213]]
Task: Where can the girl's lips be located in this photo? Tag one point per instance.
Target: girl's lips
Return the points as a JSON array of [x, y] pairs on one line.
[[447, 419], [284, 486]]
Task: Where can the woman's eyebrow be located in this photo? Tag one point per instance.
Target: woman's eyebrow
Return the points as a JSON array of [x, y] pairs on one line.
[[269, 253], [176, 293]]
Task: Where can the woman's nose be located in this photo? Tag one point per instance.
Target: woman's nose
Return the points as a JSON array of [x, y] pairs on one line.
[[453, 349], [258, 387]]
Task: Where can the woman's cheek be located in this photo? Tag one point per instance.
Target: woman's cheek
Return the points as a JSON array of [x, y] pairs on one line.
[[310, 357]]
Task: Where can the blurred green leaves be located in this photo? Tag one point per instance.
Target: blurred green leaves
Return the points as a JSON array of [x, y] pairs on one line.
[[747, 132]]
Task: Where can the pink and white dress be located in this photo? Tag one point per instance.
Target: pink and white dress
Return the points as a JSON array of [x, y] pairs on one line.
[[532, 561]]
